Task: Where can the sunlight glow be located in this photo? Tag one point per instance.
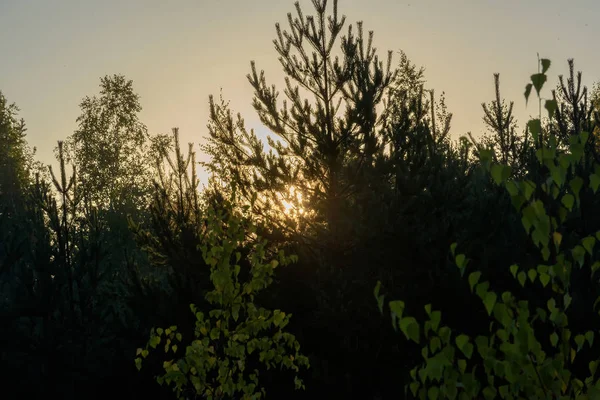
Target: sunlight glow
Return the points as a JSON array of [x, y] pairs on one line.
[[291, 202]]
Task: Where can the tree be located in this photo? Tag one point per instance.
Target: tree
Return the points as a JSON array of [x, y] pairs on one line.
[[509, 146], [574, 110], [326, 146], [532, 348], [110, 145], [355, 142], [16, 158], [233, 335], [170, 238]]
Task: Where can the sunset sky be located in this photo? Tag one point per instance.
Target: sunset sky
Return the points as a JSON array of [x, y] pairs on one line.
[[178, 52]]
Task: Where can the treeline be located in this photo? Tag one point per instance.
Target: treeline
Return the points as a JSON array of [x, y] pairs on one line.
[[363, 181]]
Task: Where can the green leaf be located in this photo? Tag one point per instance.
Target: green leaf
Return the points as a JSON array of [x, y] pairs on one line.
[[528, 188], [414, 387], [453, 248], [576, 184], [489, 302], [578, 254], [501, 313], [489, 392], [593, 365], [522, 277], [397, 308], [235, 310], [445, 333], [526, 223], [482, 345], [527, 92], [538, 81], [462, 342], [481, 289], [433, 393], [554, 339], [486, 156], [278, 317], [532, 274], [579, 340], [535, 127], [595, 267], [544, 279], [512, 188], [435, 344], [567, 300], [513, 270], [545, 65], [568, 200], [474, 278], [500, 173], [551, 106], [588, 244], [462, 365], [589, 335], [545, 253], [428, 309], [138, 363], [410, 328], [551, 304], [154, 341], [557, 238]]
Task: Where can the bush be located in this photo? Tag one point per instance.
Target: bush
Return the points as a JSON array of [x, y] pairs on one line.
[[236, 334]]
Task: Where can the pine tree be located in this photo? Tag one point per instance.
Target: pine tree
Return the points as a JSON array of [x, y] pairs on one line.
[[176, 226], [509, 146], [326, 128]]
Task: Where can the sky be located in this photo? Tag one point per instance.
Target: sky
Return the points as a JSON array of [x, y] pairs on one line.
[[53, 53]]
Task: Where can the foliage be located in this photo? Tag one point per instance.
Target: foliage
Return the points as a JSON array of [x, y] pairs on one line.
[[323, 145], [176, 214], [175, 273], [514, 360], [59, 301], [508, 145], [362, 178], [216, 364], [16, 158], [110, 145]]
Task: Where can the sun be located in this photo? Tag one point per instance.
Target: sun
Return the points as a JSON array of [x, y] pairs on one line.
[[287, 206], [291, 202]]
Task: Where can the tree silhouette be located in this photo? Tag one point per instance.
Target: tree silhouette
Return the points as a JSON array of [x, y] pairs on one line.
[[326, 128], [110, 146]]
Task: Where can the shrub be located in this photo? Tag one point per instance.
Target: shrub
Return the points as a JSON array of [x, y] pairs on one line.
[[236, 334]]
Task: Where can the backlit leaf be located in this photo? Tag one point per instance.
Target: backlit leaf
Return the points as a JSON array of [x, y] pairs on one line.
[[489, 301], [538, 81]]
